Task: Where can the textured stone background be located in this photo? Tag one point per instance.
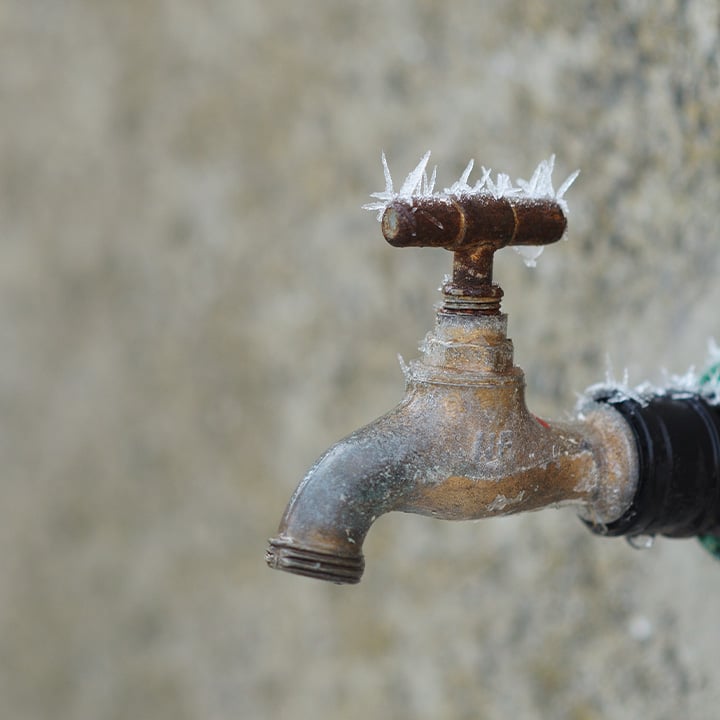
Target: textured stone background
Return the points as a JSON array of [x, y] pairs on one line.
[[193, 307]]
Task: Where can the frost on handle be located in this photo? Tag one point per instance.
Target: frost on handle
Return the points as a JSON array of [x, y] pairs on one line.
[[418, 185]]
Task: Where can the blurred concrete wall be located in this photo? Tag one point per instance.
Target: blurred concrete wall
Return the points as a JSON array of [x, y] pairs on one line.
[[193, 307]]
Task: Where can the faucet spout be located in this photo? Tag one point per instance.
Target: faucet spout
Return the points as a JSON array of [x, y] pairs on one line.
[[367, 474], [461, 445]]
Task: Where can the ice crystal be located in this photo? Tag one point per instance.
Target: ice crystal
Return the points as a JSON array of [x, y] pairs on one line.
[[417, 185], [706, 384]]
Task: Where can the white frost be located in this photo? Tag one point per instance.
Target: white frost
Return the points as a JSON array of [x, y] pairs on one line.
[[417, 185], [501, 502], [705, 383]]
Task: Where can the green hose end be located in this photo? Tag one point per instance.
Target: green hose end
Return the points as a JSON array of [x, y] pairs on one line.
[[711, 543], [711, 375]]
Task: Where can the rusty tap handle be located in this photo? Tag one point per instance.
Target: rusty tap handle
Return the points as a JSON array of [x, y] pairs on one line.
[[473, 227]]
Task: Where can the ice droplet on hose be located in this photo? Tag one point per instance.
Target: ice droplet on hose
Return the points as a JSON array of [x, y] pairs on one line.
[[641, 542]]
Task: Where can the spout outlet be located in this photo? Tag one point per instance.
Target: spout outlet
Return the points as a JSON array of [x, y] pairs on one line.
[[360, 478]]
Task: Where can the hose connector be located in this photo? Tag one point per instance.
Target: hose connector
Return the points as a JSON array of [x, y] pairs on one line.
[[677, 437]]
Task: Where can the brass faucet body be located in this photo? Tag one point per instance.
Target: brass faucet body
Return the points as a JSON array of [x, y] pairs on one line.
[[462, 445]]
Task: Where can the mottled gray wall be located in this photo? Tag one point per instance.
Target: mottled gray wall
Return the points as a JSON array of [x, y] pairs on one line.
[[193, 306]]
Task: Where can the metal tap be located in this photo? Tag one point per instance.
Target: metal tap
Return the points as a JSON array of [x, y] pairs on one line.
[[462, 444]]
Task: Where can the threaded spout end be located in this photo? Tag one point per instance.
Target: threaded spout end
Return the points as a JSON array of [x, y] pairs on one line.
[[284, 554]]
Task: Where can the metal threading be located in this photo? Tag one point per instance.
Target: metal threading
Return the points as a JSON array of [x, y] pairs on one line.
[[471, 305], [468, 299], [341, 569]]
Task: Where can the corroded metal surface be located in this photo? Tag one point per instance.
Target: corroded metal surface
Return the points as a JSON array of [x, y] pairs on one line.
[[473, 227], [471, 220], [461, 445]]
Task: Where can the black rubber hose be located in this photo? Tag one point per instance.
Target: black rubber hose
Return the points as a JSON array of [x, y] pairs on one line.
[[678, 445]]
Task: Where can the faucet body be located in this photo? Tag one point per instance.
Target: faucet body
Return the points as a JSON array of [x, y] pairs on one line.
[[461, 445]]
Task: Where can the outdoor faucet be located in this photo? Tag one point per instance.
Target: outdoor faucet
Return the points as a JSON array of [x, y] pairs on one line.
[[462, 445]]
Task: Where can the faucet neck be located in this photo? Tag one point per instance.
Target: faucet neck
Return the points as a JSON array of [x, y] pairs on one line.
[[468, 347], [470, 293]]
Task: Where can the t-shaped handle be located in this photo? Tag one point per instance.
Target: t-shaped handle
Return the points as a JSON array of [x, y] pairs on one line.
[[473, 226]]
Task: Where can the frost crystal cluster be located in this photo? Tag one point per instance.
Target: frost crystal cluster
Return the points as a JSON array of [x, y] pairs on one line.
[[706, 384], [418, 185]]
